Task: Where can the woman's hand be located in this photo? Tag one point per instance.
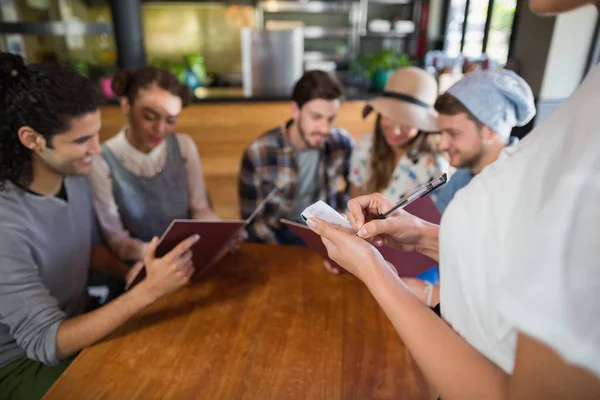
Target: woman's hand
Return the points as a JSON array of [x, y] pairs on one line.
[[351, 252], [401, 230]]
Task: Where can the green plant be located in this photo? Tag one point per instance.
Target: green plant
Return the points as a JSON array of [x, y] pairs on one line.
[[385, 60]]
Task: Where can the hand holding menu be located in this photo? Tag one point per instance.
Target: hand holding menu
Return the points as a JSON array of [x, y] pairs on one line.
[[215, 237]]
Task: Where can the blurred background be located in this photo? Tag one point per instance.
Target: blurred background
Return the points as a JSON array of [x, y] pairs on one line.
[[243, 48]]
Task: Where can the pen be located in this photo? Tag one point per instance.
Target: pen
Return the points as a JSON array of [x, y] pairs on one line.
[[419, 192]]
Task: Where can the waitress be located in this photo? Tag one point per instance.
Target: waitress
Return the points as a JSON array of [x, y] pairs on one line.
[[518, 249]]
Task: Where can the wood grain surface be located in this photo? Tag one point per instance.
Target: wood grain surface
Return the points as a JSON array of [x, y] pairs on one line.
[[265, 323]]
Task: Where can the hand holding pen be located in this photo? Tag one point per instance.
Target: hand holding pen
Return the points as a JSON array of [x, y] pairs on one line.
[[380, 221]]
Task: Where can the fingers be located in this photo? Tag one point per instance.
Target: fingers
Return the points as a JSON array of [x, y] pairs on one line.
[[334, 270], [184, 266], [186, 257], [186, 272], [377, 227], [363, 208], [150, 250], [356, 212], [181, 248], [320, 227]]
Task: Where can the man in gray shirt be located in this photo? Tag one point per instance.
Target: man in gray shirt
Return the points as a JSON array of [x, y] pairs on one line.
[[50, 120]]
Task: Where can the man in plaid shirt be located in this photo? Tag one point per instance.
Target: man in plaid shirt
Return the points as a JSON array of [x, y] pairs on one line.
[[306, 157]]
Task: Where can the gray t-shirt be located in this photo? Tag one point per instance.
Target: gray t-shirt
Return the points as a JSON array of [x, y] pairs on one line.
[[307, 188], [45, 247]]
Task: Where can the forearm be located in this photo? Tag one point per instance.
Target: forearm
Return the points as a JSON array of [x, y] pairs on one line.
[[75, 334], [204, 212], [449, 363], [105, 261]]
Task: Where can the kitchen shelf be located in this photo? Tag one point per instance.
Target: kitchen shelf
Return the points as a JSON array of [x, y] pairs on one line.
[[322, 56], [318, 32], [391, 2], [56, 28], [387, 35], [317, 7]]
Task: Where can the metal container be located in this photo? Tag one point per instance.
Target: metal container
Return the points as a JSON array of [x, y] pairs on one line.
[[272, 61]]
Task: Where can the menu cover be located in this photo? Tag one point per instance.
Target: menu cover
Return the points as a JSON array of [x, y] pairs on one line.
[[215, 236]]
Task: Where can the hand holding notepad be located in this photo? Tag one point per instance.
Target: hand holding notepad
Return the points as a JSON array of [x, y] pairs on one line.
[[408, 263]]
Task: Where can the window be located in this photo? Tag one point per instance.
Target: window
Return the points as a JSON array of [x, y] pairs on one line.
[[478, 27]]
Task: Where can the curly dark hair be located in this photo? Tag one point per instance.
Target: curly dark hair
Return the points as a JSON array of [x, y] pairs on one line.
[[45, 97], [128, 82]]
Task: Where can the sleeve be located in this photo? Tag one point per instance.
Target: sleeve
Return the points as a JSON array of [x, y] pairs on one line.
[[117, 237], [358, 163], [250, 196], [31, 314], [552, 291], [197, 194]]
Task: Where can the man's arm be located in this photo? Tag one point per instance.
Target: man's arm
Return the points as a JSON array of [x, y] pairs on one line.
[[77, 333], [250, 196], [164, 275], [27, 308]]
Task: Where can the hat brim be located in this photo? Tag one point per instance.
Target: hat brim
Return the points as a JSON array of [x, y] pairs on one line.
[[424, 119]]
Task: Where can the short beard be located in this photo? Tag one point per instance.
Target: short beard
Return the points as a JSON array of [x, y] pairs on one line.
[[304, 137], [474, 160]]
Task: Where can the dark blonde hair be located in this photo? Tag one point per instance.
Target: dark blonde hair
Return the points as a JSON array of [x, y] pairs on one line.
[[316, 85], [382, 157]]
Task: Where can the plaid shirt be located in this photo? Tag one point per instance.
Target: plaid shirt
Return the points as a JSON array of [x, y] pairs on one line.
[[270, 160]]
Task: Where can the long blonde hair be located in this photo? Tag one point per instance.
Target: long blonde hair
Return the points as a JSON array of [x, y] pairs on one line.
[[382, 157]]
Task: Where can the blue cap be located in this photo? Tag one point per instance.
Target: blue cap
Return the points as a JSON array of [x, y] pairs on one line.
[[500, 99]]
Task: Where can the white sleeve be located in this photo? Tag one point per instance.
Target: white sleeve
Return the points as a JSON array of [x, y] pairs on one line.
[[199, 207], [117, 237], [554, 296]]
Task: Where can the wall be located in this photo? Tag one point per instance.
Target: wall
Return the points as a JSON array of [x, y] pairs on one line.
[[534, 35], [552, 53], [569, 51], [212, 30]]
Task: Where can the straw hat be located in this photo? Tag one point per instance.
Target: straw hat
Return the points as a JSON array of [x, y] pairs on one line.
[[408, 98]]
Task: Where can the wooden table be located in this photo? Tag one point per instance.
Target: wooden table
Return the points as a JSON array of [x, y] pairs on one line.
[[266, 323]]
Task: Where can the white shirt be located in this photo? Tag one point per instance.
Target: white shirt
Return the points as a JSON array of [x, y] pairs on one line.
[[146, 164], [520, 245]]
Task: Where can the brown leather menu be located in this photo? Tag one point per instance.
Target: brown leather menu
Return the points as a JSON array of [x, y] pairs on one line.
[[214, 236]]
